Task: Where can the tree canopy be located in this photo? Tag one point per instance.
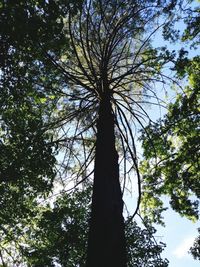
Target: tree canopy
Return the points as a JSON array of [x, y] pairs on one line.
[[172, 163]]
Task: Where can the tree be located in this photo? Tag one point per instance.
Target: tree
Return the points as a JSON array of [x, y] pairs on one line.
[[27, 157], [194, 250], [171, 164], [171, 153], [104, 63]]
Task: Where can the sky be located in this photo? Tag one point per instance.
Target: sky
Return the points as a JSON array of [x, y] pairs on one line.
[[179, 234]]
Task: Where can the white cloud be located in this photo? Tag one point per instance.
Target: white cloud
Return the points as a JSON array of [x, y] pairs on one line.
[[181, 250]]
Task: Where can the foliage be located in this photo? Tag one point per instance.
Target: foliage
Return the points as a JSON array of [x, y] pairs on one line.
[[27, 158], [28, 86], [192, 31], [143, 249], [195, 249], [171, 152], [57, 236]]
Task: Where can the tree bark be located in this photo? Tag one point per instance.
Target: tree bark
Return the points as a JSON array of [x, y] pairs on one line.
[[106, 244]]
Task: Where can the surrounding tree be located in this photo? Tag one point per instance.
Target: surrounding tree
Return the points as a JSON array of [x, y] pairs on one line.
[[28, 86], [171, 165], [195, 250]]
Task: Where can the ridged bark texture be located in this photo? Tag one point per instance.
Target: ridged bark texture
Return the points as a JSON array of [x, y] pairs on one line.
[[106, 245]]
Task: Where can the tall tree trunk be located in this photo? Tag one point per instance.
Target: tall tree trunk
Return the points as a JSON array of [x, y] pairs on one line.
[[106, 244]]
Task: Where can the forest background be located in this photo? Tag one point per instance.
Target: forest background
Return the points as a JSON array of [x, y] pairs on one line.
[[80, 76]]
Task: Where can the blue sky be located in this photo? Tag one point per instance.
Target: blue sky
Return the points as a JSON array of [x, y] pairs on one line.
[[179, 235]]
